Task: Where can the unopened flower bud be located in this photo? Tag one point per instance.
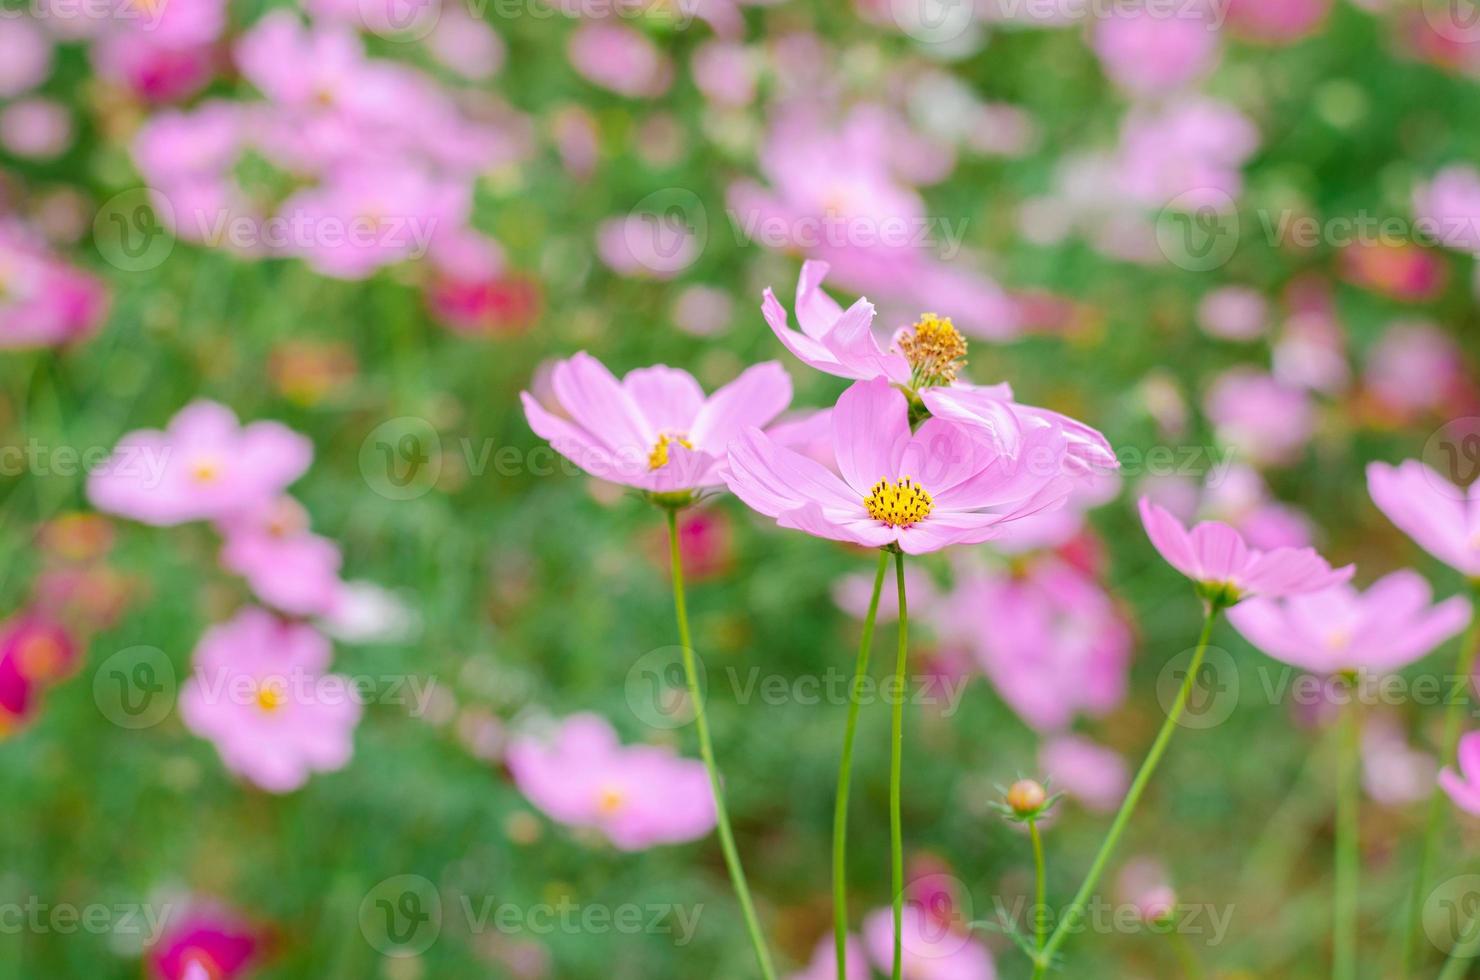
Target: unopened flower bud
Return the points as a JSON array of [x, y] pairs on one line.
[[1026, 797]]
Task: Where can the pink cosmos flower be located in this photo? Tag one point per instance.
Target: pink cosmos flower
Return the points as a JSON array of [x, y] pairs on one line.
[[1049, 639], [620, 59], [1147, 52], [204, 466], [1233, 313], [824, 963], [1448, 208], [1416, 367], [1189, 151], [1339, 629], [1267, 421], [19, 696], [1441, 518], [151, 69], [725, 72], [44, 302], [923, 491], [1095, 776], [208, 942], [36, 129], [40, 648], [259, 692], [930, 950], [832, 340], [25, 57], [637, 796], [1276, 21], [288, 566], [655, 429], [1393, 772], [1227, 570], [1463, 786], [1144, 883]]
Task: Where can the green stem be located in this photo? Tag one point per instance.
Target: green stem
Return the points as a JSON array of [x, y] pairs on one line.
[[1138, 786], [896, 766], [1438, 802], [1348, 858], [1191, 970], [1463, 953], [706, 751], [845, 775], [1040, 906]]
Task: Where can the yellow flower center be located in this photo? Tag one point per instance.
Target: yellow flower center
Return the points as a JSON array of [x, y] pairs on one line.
[[269, 698], [610, 801], [658, 458], [935, 349], [902, 503], [205, 470]]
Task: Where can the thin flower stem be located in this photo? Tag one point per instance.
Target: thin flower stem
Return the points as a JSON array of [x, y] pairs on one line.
[[1344, 931], [845, 774], [896, 766], [1463, 953], [1071, 916], [706, 752], [1453, 724], [1040, 907], [1191, 969]]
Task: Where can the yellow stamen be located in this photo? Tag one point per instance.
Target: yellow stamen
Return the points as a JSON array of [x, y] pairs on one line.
[[658, 458], [935, 349], [902, 503], [269, 699], [205, 471], [610, 801]]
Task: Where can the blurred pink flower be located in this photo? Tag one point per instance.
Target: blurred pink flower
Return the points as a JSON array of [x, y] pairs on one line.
[[1393, 772], [25, 56], [1267, 422], [637, 796], [39, 648], [1048, 638], [1240, 498], [1443, 519], [655, 429], [288, 566], [205, 941], [639, 245], [1144, 882], [620, 58], [725, 72], [204, 466], [36, 129], [1339, 629], [1463, 786], [1095, 776], [44, 302], [930, 950], [1401, 270], [259, 692], [577, 139], [1233, 313], [465, 44], [942, 485], [703, 310], [19, 697], [1189, 152], [824, 963], [153, 70], [1276, 21], [1448, 207], [1148, 52], [1416, 367], [1215, 556]]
